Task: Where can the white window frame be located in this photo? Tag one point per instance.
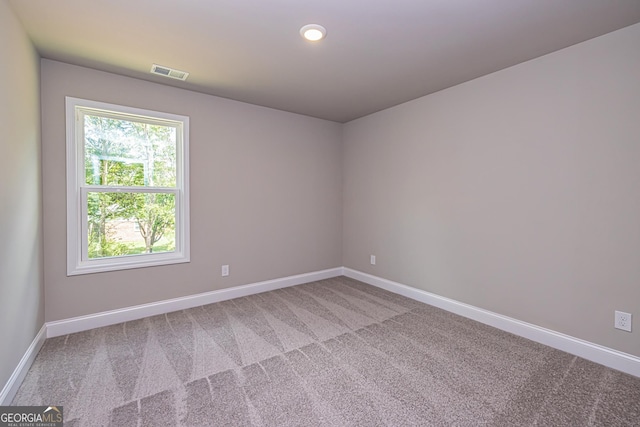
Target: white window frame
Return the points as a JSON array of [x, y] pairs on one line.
[[78, 261]]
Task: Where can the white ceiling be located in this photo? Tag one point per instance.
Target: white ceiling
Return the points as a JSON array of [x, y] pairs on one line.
[[378, 53]]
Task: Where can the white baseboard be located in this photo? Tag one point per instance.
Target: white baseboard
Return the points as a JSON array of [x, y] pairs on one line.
[[84, 323], [596, 353], [11, 387]]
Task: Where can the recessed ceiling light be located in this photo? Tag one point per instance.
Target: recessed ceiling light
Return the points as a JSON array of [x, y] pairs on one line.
[[313, 32]]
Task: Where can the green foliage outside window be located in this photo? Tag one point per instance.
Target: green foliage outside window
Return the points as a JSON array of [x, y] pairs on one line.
[[120, 153]]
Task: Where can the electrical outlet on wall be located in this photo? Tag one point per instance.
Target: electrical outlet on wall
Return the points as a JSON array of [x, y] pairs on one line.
[[373, 260], [622, 321], [225, 270]]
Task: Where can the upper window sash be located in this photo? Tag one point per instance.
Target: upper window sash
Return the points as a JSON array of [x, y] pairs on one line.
[[134, 116]]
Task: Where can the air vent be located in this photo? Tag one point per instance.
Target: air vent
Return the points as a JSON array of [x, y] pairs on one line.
[[169, 72]]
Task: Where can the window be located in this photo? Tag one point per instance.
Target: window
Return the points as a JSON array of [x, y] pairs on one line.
[[127, 187]]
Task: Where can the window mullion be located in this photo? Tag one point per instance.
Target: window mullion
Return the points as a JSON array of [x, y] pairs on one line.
[[122, 189]]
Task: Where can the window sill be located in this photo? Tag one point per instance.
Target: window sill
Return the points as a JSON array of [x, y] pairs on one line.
[[126, 263]]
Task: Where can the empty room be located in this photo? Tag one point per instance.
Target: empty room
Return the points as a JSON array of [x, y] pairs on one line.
[[283, 213]]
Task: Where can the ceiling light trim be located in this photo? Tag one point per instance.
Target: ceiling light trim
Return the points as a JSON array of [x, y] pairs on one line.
[[313, 32]]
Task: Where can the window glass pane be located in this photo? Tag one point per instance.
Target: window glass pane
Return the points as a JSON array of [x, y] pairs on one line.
[[122, 223], [129, 153]]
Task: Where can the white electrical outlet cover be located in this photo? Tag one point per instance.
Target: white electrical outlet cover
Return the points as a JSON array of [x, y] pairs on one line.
[[623, 321]]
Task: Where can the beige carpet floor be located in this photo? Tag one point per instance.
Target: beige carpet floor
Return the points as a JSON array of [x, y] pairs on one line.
[[331, 353]]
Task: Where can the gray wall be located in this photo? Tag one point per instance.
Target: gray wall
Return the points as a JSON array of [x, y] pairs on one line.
[[21, 291], [518, 192], [265, 194]]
